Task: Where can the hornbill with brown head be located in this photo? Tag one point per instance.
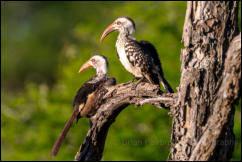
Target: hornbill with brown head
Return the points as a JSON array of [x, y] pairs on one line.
[[87, 95], [140, 58]]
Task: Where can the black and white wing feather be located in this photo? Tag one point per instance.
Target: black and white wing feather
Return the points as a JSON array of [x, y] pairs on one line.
[[156, 64]]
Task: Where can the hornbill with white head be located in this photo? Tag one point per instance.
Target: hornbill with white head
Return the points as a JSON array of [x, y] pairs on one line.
[[140, 58], [87, 95]]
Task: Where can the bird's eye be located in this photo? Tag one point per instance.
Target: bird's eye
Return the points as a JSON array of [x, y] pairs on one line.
[[118, 23], [93, 61]]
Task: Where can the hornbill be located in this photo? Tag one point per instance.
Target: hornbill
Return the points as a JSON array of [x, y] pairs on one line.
[[140, 58], [87, 95]]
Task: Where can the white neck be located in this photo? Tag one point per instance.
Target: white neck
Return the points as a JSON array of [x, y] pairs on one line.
[[122, 35], [102, 70], [97, 78]]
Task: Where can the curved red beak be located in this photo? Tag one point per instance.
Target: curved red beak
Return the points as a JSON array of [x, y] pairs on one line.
[[108, 30], [85, 65]]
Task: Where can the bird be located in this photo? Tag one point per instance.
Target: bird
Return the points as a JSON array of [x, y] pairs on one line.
[[140, 58], [87, 95]]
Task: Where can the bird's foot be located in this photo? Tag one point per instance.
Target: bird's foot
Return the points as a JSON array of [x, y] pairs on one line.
[[135, 84], [131, 81]]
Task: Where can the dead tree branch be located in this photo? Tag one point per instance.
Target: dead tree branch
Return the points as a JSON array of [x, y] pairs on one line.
[[112, 103]]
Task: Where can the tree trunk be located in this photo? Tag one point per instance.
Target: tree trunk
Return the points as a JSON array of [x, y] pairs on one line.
[[202, 109], [209, 85]]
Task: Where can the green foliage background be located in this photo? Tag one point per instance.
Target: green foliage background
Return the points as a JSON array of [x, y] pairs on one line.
[[43, 46]]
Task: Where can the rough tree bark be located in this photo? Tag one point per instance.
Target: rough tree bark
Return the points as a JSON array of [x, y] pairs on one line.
[[202, 109], [203, 119]]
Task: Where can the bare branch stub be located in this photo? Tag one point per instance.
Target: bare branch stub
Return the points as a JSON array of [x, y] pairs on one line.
[[115, 99]]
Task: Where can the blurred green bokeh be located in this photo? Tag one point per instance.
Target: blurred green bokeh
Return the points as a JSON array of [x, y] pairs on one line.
[[43, 46]]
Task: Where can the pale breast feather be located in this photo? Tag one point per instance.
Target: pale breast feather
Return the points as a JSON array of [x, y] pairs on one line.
[[127, 59]]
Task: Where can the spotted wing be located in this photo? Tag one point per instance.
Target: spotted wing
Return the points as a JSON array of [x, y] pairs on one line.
[[152, 53], [137, 56], [156, 68]]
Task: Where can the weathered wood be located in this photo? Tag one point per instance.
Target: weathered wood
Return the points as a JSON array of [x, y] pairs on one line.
[[217, 140], [115, 99], [199, 121]]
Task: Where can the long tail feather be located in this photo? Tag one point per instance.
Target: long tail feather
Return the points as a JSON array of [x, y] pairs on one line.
[[58, 142]]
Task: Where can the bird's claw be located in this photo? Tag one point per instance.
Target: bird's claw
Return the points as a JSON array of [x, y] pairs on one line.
[[134, 86]]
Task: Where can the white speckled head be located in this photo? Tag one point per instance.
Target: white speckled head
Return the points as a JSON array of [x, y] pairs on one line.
[[100, 63], [125, 24]]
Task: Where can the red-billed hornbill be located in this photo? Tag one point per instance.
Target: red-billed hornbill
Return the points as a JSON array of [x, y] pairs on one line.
[[84, 101], [140, 58]]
